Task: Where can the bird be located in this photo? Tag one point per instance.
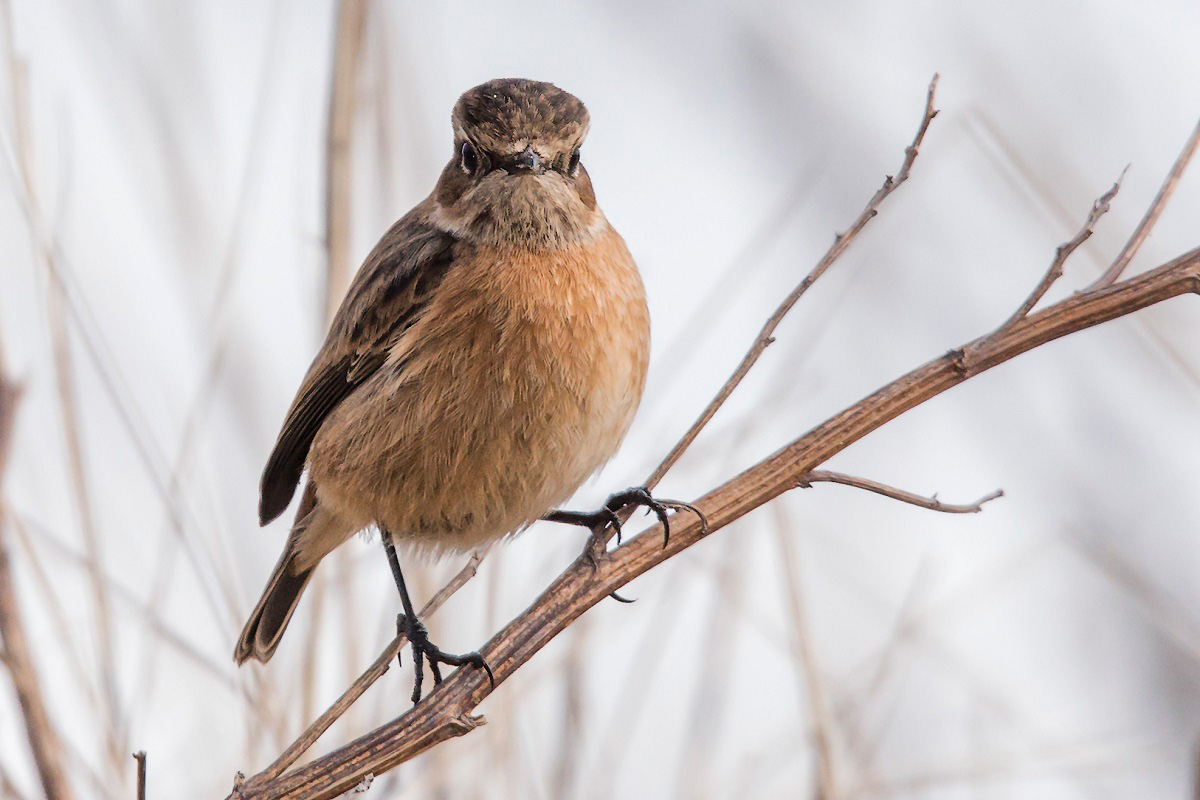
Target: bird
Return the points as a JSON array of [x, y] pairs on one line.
[[487, 359]]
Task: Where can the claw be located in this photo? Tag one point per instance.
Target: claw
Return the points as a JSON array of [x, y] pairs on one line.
[[425, 650], [640, 496], [436, 670], [610, 514], [614, 521], [679, 505], [484, 666], [419, 668]]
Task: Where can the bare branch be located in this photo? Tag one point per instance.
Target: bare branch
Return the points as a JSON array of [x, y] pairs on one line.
[[1099, 209], [765, 336], [446, 713], [1142, 232], [931, 503]]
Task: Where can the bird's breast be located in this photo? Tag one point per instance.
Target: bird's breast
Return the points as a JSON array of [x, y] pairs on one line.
[[567, 347], [517, 383]]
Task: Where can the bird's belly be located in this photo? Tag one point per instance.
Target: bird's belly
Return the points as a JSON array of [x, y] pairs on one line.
[[518, 423]]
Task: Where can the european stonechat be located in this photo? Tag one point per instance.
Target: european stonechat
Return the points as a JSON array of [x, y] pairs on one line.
[[488, 357]]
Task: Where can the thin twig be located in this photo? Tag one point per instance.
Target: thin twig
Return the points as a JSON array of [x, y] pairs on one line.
[[931, 503], [840, 244], [373, 673], [140, 757], [1064, 251], [1142, 232]]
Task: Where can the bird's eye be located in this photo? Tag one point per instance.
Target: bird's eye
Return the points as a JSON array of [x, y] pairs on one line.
[[469, 159], [573, 163]]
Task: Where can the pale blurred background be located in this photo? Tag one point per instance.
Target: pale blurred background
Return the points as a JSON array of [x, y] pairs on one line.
[[1046, 648]]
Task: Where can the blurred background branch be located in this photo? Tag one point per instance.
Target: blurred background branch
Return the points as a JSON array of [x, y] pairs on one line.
[[44, 744], [343, 94]]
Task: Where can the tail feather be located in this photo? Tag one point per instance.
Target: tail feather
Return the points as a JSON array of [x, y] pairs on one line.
[[270, 617]]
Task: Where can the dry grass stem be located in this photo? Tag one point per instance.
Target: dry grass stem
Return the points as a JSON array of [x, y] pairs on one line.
[[349, 33], [80, 671], [811, 682], [68, 401], [44, 743], [351, 20], [931, 503]]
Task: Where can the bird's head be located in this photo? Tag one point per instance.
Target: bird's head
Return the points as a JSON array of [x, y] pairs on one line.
[[515, 177]]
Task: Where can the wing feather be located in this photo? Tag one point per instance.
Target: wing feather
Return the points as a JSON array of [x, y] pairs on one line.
[[386, 296]]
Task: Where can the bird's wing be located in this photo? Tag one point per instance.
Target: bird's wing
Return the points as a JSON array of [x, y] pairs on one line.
[[388, 293]]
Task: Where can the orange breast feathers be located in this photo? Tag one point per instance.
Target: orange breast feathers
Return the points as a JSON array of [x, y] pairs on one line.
[[572, 322], [517, 383], [566, 334]]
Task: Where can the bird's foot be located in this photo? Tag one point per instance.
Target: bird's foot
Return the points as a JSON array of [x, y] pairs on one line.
[[424, 650], [609, 515]]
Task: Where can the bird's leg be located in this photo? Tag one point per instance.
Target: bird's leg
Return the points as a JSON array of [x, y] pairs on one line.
[[418, 636], [587, 519], [609, 514]]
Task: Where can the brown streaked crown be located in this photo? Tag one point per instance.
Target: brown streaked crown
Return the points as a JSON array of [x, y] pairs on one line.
[[502, 113], [515, 179]]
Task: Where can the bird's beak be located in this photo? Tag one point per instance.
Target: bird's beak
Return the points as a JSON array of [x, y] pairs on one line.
[[527, 161]]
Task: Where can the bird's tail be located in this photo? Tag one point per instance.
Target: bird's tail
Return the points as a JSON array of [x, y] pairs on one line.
[[315, 533], [270, 617]]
